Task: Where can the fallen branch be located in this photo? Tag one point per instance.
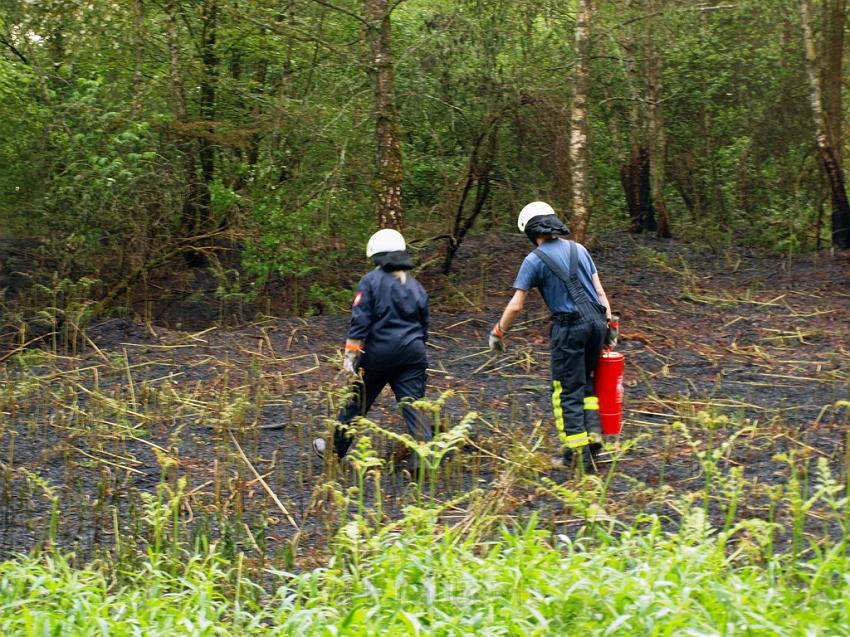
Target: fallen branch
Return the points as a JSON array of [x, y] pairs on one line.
[[185, 246], [21, 348]]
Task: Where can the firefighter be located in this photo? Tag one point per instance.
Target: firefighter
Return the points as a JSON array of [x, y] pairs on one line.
[[386, 340], [581, 315]]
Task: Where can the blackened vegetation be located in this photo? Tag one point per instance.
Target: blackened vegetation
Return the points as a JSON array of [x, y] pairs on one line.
[[732, 345]]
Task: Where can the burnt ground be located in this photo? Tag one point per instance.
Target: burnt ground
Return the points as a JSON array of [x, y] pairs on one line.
[[735, 343]]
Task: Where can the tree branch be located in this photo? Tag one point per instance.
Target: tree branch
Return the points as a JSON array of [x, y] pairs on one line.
[[304, 36], [427, 38], [169, 252], [394, 7], [350, 14], [14, 50]]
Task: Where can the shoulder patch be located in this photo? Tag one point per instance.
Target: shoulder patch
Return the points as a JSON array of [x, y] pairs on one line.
[[357, 298]]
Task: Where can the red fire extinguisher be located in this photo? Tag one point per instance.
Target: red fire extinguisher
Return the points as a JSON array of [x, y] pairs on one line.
[[609, 389]]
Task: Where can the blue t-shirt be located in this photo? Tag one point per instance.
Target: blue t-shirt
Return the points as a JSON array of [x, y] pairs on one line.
[[533, 273]]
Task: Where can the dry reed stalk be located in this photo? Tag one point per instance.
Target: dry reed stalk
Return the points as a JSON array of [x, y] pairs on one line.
[[263, 482], [107, 462]]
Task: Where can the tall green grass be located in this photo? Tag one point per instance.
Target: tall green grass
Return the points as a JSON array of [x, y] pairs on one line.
[[426, 580]]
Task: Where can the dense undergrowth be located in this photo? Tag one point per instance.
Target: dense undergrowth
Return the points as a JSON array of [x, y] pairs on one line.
[[423, 578]]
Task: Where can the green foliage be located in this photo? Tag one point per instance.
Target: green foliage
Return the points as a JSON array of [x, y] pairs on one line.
[[276, 143], [114, 182], [427, 580], [20, 123]]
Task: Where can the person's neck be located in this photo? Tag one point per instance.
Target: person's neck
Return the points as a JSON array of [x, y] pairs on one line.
[[544, 238]]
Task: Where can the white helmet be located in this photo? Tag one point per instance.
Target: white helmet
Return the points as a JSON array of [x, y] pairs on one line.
[[534, 209], [386, 240]]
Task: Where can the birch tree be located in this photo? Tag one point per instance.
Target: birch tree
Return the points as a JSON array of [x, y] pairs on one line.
[[829, 155], [579, 163]]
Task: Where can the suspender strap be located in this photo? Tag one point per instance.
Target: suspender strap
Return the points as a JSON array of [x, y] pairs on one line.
[[586, 308]]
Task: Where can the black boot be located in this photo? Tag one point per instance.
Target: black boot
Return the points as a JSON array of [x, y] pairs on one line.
[[574, 461], [569, 460], [589, 457], [582, 459]]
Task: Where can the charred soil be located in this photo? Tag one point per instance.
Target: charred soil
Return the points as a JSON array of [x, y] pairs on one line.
[[737, 364]]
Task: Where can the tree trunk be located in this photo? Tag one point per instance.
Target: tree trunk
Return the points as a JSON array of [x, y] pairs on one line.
[[686, 181], [189, 221], [206, 154], [578, 122], [389, 171], [634, 177], [836, 12], [174, 62], [829, 156], [634, 167], [254, 143], [657, 136], [478, 175], [139, 57], [555, 116]]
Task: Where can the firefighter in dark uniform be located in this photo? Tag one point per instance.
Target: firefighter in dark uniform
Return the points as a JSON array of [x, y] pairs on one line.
[[576, 338], [386, 340]]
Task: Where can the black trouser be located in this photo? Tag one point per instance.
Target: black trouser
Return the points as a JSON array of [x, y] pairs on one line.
[[576, 344], [406, 382]]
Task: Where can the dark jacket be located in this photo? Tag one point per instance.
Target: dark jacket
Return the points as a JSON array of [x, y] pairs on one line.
[[391, 318]]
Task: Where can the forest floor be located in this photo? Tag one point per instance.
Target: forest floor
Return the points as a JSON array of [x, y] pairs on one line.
[[748, 352]]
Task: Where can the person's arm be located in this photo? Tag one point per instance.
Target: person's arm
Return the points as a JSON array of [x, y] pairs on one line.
[[425, 318], [354, 345], [526, 279], [613, 331], [512, 310], [600, 292], [361, 321], [361, 312]]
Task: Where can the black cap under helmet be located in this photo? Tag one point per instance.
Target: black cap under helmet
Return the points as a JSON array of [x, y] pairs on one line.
[[545, 224]]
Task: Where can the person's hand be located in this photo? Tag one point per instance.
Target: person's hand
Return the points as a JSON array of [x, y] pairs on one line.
[[349, 363], [613, 331], [496, 341], [352, 354]]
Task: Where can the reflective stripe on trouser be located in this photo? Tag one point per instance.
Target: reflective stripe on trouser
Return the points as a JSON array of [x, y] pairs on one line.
[[591, 419], [575, 347], [570, 435]]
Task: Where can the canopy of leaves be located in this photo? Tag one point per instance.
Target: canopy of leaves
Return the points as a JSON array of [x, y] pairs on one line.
[[276, 142]]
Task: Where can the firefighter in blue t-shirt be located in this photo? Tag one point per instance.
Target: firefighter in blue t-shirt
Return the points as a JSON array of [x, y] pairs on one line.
[[580, 328], [386, 339]]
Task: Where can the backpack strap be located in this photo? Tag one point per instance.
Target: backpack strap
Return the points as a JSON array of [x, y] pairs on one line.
[[586, 308]]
